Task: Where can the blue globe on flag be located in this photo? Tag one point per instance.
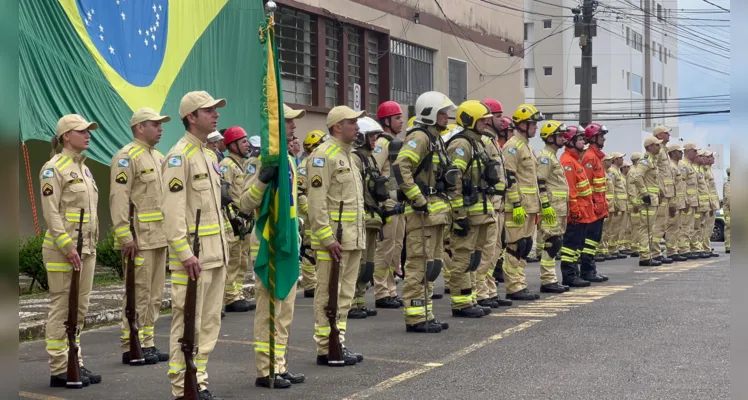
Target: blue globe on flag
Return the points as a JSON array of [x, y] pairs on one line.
[[129, 34]]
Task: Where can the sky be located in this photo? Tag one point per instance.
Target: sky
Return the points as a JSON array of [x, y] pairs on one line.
[[694, 81]]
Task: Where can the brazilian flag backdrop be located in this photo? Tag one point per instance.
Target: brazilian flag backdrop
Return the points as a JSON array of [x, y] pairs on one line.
[[106, 59]]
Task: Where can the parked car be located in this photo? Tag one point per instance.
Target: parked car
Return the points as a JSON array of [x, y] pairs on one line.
[[718, 234]]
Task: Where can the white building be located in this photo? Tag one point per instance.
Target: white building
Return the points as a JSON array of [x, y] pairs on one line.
[[634, 73]]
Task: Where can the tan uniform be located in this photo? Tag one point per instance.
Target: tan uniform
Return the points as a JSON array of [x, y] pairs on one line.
[[646, 182], [333, 179], [135, 176], [667, 202], [689, 222], [67, 186], [606, 241], [522, 187], [677, 245], [250, 201], [713, 207], [726, 208], [471, 254], [489, 290], [233, 171], [308, 262], [634, 210], [618, 197], [418, 146], [192, 181], [702, 215], [389, 249], [372, 221], [556, 194]]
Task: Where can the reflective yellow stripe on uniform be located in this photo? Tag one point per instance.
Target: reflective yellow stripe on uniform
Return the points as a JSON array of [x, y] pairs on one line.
[[179, 279], [332, 151], [435, 206], [653, 189], [264, 347], [139, 261], [559, 194], [621, 197], [63, 162], [323, 255], [456, 203], [175, 368], [148, 330], [254, 250], [207, 230], [189, 150], [76, 217], [415, 311], [201, 364], [122, 232], [479, 207], [461, 164], [150, 217], [174, 260], [135, 151], [53, 344], [528, 189], [255, 193], [62, 240], [413, 192], [126, 334], [179, 245], [322, 331], [324, 233], [599, 180], [609, 196], [59, 267], [345, 216], [412, 155]]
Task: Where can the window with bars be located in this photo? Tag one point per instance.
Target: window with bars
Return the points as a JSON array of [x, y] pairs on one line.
[[412, 71], [332, 49], [373, 49], [297, 54], [355, 60]]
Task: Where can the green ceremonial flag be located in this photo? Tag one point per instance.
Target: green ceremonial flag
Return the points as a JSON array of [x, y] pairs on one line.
[[277, 223]]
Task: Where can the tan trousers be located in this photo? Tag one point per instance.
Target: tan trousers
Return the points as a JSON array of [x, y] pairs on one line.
[[634, 221], [415, 311], [207, 324], [283, 317], [236, 269], [661, 225], [514, 268], [480, 238], [603, 247], [613, 227], [484, 273], [548, 263], [150, 273], [727, 230], [349, 265], [649, 245], [685, 232], [672, 233], [359, 299], [387, 257], [59, 276], [489, 285], [707, 229]]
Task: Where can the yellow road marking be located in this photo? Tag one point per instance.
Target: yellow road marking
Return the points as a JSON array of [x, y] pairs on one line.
[[384, 385], [29, 395], [521, 315]]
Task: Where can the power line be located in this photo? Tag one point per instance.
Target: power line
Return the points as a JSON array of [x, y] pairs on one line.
[[709, 2]]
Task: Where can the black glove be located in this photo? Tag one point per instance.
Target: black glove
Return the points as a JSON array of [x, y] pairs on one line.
[[646, 199], [461, 227], [225, 196], [268, 174], [424, 208]]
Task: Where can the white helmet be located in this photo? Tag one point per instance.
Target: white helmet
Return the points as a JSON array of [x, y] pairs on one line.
[[429, 104], [367, 125]]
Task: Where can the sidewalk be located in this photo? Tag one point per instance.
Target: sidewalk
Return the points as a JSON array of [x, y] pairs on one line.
[[105, 308]]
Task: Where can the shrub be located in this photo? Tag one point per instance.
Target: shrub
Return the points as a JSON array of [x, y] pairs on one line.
[[30, 262], [107, 255]]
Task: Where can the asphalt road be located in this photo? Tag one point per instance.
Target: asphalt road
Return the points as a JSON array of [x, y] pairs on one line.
[[648, 333]]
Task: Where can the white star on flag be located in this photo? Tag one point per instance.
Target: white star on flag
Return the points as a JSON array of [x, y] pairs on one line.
[[86, 21], [158, 16], [154, 46], [123, 16], [159, 7], [146, 42], [156, 23], [92, 11], [153, 37], [129, 55], [140, 32], [111, 49], [101, 37], [154, 8], [117, 2], [101, 28], [88, 14]]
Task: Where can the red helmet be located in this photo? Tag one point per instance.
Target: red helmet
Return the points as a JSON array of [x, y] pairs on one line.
[[233, 134], [506, 123], [594, 129], [571, 131], [493, 105], [388, 109]]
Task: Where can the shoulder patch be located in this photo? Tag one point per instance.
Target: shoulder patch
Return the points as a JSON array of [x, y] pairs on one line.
[[73, 175], [378, 149], [302, 171], [589, 165], [123, 162], [316, 181], [643, 161], [460, 152], [413, 144], [48, 173], [175, 185], [512, 151], [47, 189], [224, 168], [612, 175], [121, 178], [318, 162], [251, 169], [567, 168], [544, 160], [175, 161]]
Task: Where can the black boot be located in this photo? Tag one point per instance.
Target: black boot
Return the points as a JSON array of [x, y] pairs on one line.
[[309, 293], [664, 260], [278, 383], [570, 276], [162, 356], [713, 254], [634, 254], [238, 306], [149, 358], [358, 356], [621, 255], [491, 303], [609, 257], [468, 312], [593, 277], [386, 302], [600, 258], [693, 256], [444, 325], [502, 302], [61, 380], [704, 254], [678, 258], [486, 310], [357, 313], [727, 251], [94, 378], [293, 378], [649, 263], [423, 327], [554, 287], [347, 360], [369, 312], [524, 295]]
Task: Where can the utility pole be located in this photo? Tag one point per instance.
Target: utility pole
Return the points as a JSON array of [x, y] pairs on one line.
[[648, 52], [585, 29]]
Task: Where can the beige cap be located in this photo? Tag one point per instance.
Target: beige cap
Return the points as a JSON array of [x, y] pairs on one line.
[[290, 113], [708, 153], [673, 147], [616, 154], [341, 113], [73, 122], [701, 152], [636, 156], [194, 101], [690, 146], [147, 114], [651, 140], [627, 164], [608, 157], [661, 128]]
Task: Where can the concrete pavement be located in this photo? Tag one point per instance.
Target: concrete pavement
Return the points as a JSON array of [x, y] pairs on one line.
[[648, 333]]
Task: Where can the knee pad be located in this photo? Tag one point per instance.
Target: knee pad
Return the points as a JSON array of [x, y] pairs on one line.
[[474, 261], [514, 249], [524, 245], [553, 245], [433, 269]]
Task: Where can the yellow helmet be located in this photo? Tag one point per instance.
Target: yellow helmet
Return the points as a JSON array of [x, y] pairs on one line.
[[526, 112], [551, 127], [470, 111], [411, 121], [313, 139]]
